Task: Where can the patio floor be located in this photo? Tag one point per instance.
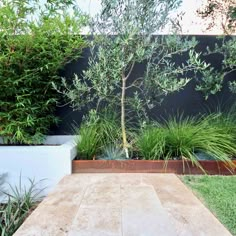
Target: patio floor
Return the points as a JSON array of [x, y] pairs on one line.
[[121, 205]]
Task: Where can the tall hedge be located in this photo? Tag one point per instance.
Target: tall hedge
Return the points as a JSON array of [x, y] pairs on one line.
[[36, 41]]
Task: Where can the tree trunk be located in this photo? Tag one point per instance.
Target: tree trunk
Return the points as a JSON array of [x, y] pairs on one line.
[[123, 128]]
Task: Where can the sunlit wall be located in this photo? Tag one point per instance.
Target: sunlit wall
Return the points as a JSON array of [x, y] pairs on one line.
[[191, 22]]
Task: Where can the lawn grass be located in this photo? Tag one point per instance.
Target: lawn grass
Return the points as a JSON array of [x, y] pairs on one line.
[[218, 193]]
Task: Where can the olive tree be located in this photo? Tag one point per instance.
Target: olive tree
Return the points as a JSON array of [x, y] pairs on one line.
[[123, 37]]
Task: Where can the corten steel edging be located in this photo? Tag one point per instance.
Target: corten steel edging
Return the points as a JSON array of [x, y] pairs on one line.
[[148, 166]]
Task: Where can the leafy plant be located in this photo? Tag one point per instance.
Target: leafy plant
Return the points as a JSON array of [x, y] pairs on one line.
[[182, 138], [151, 142], [189, 135], [113, 152], [108, 126], [108, 79], [88, 142], [20, 202], [225, 118], [97, 131], [213, 83], [34, 48]]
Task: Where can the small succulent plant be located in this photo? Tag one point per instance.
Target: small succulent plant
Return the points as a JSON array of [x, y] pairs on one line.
[[113, 152]]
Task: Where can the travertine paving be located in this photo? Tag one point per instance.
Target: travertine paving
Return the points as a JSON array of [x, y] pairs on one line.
[[121, 205]]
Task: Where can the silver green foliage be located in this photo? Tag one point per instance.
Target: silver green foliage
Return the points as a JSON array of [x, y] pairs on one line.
[[134, 22], [232, 86], [113, 152], [212, 81]]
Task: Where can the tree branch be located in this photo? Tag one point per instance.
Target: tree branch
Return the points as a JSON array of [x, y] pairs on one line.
[[228, 72], [133, 84], [130, 71]]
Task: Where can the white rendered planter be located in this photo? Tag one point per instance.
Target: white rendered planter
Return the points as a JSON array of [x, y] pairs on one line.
[[50, 162]]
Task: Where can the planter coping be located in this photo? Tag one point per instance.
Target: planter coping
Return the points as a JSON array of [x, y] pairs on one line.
[[54, 140]]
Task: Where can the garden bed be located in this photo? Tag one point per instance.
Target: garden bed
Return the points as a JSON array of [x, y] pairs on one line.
[[155, 166]]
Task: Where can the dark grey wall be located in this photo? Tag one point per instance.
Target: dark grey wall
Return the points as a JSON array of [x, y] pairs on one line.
[[187, 100]]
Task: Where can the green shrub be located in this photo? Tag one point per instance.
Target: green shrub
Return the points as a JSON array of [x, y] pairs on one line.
[[33, 50], [182, 138]]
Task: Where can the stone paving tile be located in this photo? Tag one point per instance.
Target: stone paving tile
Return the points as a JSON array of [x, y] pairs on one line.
[[111, 179], [53, 217], [128, 179], [190, 216], [121, 205], [49, 219], [143, 214], [139, 197], [101, 196], [97, 222], [104, 179]]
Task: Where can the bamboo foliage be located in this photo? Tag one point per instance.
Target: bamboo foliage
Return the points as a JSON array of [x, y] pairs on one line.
[[36, 41]]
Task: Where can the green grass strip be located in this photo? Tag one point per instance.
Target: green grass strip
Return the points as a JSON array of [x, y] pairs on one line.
[[218, 193]]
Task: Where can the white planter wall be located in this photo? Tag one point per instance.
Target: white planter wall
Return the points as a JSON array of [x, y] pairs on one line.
[[50, 163]]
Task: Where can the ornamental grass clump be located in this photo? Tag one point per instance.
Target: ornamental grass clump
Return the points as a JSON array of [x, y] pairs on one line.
[[151, 142], [188, 136], [87, 142], [226, 120], [183, 138], [97, 131]]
